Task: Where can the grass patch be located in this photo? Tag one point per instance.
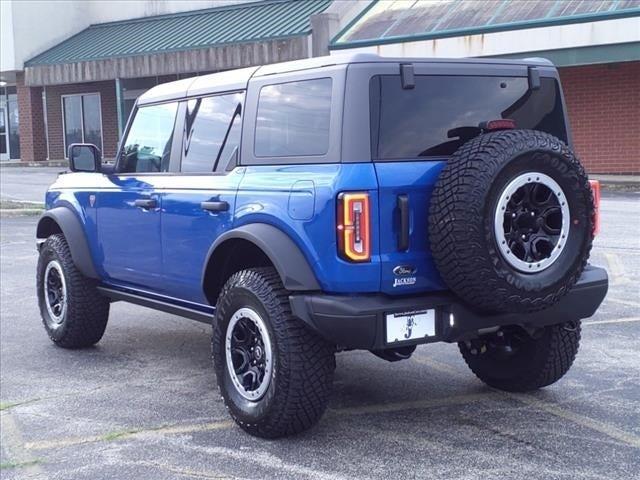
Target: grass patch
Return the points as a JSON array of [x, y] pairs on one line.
[[15, 205], [8, 405], [8, 465], [109, 437]]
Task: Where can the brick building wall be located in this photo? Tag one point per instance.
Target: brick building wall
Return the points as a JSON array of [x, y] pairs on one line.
[[33, 141], [107, 91], [603, 102]]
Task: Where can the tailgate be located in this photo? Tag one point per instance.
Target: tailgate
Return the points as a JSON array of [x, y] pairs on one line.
[[406, 187]]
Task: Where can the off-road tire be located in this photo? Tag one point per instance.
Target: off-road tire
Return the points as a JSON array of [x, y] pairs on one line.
[[303, 362], [87, 310], [461, 221], [541, 362]]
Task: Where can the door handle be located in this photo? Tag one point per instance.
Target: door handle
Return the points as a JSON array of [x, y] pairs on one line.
[[403, 206], [215, 206], [146, 203]]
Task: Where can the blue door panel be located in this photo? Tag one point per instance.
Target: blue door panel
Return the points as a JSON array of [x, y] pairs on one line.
[[188, 231], [129, 248]]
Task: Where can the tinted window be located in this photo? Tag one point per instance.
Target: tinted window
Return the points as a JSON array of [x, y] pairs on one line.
[[148, 144], [422, 121], [293, 119], [212, 132]]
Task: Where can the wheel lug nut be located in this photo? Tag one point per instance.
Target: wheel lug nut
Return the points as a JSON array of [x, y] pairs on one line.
[[524, 237]]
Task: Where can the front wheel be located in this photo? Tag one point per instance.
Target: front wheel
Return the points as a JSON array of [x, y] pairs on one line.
[[274, 374], [515, 360], [73, 312]]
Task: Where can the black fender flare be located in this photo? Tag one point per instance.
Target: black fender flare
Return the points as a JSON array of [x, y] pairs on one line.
[[292, 266], [73, 232]]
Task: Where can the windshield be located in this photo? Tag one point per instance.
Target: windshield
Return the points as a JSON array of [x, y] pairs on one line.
[[442, 112]]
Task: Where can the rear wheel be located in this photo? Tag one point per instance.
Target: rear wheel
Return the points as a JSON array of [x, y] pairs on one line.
[[518, 361], [274, 374], [73, 312]]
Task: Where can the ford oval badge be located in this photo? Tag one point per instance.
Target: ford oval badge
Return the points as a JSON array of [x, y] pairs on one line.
[[401, 270]]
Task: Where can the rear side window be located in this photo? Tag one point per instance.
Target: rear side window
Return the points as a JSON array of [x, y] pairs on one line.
[[443, 112], [148, 144], [212, 132], [293, 119]]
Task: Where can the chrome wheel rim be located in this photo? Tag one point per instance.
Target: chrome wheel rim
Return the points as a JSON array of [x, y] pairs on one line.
[[55, 293], [249, 354], [531, 222]]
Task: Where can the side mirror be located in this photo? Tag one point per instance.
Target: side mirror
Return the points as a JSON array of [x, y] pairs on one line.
[[84, 157]]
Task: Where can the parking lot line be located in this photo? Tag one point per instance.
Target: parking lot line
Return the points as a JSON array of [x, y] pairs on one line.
[[622, 302], [163, 430], [265, 460], [616, 269], [615, 320], [582, 420], [13, 443], [579, 419]]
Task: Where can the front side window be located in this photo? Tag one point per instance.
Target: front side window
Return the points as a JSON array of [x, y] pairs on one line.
[[442, 112], [82, 120], [212, 133], [148, 144], [294, 119]]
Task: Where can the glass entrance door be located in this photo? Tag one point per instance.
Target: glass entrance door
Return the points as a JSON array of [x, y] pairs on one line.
[[4, 138]]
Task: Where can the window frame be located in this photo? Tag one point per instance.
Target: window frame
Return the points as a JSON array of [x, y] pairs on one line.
[[64, 126], [182, 132], [337, 74], [178, 125], [356, 129]]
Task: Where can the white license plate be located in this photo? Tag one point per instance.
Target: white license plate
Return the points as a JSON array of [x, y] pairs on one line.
[[410, 325]]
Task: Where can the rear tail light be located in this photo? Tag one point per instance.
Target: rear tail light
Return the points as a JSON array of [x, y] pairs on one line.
[[501, 124], [354, 228], [595, 188]]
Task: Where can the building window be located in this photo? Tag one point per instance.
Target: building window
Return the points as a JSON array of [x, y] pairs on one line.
[[293, 119], [82, 120]]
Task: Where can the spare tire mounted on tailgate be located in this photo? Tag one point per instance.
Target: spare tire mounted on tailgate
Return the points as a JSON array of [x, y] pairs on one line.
[[511, 221]]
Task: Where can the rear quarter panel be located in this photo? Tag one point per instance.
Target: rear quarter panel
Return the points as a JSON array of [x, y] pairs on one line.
[[270, 194]]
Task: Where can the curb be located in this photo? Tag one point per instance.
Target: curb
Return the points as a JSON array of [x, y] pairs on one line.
[[46, 163], [20, 212]]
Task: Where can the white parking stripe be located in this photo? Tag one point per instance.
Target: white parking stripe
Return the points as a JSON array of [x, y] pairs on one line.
[[615, 320]]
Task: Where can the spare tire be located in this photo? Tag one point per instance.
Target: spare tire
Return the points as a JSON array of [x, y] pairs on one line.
[[511, 221]]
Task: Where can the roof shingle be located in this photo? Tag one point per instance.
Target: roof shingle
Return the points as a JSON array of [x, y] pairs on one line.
[[239, 23]]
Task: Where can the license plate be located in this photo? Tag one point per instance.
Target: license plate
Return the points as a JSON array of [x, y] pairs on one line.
[[410, 325]]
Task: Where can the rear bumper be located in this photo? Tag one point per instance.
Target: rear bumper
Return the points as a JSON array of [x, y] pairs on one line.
[[358, 321]]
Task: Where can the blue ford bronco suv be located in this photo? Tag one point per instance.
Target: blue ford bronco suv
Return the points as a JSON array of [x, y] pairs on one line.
[[329, 204]]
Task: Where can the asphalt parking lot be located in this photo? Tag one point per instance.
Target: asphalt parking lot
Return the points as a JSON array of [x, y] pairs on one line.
[[143, 403]]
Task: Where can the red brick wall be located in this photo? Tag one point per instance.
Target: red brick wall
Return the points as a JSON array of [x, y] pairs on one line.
[[604, 110], [107, 91], [33, 141]]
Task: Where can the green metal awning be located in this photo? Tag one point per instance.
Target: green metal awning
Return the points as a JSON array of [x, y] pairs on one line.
[[240, 23], [396, 21]]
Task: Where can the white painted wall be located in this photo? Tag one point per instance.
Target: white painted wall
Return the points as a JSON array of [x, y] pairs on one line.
[[606, 32], [31, 27], [7, 56]]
